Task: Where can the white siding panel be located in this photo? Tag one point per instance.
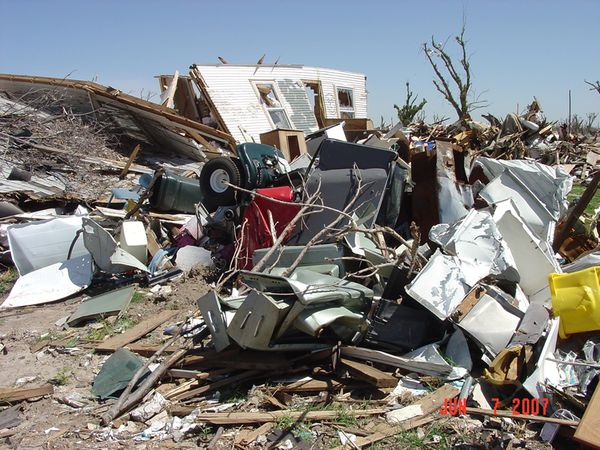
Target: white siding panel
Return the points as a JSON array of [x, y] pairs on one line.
[[230, 88], [300, 112]]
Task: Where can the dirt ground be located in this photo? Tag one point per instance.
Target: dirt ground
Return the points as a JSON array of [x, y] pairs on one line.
[[48, 422]]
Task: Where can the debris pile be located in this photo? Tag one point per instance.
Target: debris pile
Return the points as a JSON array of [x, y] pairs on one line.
[[363, 284]]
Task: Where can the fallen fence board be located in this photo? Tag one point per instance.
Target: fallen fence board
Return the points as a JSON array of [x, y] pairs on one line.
[[233, 418], [11, 395], [370, 374], [133, 334]]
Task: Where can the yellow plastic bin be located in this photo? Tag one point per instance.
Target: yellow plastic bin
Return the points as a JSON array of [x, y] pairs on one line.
[[576, 300]]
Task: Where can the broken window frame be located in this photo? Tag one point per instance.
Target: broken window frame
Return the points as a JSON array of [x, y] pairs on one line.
[[272, 109], [319, 107], [345, 112]]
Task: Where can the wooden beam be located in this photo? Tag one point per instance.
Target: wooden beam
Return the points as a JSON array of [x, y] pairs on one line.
[[138, 331], [529, 417], [11, 395], [132, 157], [588, 430], [238, 418], [244, 376], [201, 85], [370, 374]]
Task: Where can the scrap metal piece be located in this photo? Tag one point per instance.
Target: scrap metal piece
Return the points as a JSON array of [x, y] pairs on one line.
[[255, 321], [441, 285], [210, 307], [116, 373], [336, 178], [107, 304], [476, 241], [51, 283], [39, 244], [531, 256], [107, 255]]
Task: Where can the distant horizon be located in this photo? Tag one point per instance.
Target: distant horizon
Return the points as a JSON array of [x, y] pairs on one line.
[[517, 50]]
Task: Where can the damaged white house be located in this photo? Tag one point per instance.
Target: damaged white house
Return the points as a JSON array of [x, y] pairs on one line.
[[248, 100]]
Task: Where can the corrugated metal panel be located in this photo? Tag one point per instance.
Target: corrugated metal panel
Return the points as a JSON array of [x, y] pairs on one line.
[[300, 113], [231, 89], [49, 185]]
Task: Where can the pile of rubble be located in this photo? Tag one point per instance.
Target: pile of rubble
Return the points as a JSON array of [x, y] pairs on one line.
[[377, 282]]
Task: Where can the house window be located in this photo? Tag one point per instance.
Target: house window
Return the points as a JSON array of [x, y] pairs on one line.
[[270, 101], [345, 103]]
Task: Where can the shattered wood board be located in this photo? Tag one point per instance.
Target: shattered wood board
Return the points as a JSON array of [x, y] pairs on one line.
[[233, 418], [141, 120], [370, 374], [588, 431], [107, 304], [138, 331], [11, 395]]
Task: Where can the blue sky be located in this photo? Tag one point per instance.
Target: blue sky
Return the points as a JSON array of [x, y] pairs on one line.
[[518, 48]]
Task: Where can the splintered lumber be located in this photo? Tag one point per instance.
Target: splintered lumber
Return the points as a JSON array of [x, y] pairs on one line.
[[379, 357], [588, 430], [132, 157], [240, 418], [532, 418], [249, 436], [370, 374], [11, 395], [244, 376], [240, 360], [312, 386], [379, 436], [426, 405], [133, 334]]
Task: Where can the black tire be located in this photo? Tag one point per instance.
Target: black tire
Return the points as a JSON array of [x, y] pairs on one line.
[[213, 198]]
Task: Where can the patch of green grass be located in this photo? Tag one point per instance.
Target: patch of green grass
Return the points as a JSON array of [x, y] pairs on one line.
[[7, 279], [62, 377], [138, 297], [578, 190], [285, 422], [51, 336], [108, 329], [343, 418]]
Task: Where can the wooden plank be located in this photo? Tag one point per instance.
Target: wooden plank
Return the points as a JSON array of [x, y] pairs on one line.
[[249, 436], [370, 374], [132, 157], [312, 386], [588, 430], [428, 404], [244, 376], [239, 418], [529, 417], [11, 395], [138, 331]]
